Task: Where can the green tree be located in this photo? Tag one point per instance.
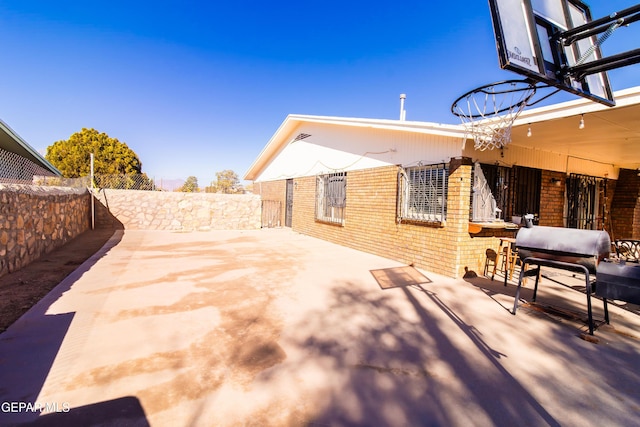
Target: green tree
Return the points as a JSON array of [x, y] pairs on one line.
[[227, 182], [190, 185], [72, 156]]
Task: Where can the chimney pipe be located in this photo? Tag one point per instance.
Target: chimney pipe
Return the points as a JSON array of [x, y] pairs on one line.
[[403, 113]]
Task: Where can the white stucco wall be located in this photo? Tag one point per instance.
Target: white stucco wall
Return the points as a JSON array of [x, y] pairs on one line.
[[334, 148]]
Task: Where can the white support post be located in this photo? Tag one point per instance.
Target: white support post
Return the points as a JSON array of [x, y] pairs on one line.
[[93, 212]]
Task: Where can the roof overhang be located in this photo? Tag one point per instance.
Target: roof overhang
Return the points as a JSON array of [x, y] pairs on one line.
[[287, 132], [610, 135], [12, 142]]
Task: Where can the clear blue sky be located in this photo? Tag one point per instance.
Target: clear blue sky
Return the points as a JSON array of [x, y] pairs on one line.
[[195, 87]]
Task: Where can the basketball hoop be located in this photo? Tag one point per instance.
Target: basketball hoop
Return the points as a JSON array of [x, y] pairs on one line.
[[488, 112]]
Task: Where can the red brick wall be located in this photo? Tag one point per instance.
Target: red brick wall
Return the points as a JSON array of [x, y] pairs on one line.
[[625, 208], [371, 226], [606, 201], [272, 191], [552, 198]]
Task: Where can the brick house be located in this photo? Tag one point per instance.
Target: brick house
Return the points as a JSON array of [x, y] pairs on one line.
[[419, 193]]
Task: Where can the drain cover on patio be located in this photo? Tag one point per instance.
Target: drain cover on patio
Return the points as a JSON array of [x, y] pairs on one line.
[[397, 277]]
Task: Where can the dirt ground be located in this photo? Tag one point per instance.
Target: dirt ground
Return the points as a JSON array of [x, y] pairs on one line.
[[20, 290]]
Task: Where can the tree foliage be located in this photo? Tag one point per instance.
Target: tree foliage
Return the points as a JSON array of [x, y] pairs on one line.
[[190, 185], [72, 156], [227, 182]]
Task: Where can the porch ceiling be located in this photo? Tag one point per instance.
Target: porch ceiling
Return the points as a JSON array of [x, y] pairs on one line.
[[610, 135]]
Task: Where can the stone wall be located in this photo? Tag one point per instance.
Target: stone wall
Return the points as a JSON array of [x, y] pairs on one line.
[[158, 210], [35, 220]]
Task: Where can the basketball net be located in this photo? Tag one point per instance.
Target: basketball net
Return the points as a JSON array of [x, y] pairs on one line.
[[488, 112]]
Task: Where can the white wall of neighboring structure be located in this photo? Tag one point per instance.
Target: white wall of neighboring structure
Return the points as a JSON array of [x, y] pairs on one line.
[[331, 148]]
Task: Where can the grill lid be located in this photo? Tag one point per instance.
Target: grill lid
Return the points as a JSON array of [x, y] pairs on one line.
[[565, 241]]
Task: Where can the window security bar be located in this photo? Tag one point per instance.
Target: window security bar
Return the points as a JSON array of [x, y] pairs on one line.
[[423, 193], [331, 197]]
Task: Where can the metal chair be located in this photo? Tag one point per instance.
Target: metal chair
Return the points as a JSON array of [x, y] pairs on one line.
[[490, 259]]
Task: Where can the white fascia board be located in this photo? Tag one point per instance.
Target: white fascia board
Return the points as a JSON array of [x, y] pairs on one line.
[[273, 147], [454, 131]]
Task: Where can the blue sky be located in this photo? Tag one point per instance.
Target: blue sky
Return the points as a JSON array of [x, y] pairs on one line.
[[196, 87]]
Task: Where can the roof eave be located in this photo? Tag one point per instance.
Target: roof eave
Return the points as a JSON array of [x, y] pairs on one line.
[[25, 150], [623, 98], [278, 141]]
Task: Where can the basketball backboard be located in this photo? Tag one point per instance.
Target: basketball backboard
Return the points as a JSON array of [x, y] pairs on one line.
[[527, 41]]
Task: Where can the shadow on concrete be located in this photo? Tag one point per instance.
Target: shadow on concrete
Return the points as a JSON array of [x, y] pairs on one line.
[[103, 216], [495, 288], [559, 297], [501, 391], [398, 376], [125, 411], [30, 345], [433, 368]]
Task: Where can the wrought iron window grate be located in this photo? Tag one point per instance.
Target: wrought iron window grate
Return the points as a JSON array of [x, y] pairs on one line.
[[423, 193], [526, 190], [516, 190], [331, 197], [582, 202]]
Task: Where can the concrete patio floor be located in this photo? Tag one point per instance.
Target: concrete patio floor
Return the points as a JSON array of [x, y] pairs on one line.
[[273, 328]]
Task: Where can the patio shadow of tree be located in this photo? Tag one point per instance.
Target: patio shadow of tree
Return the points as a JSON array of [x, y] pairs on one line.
[[391, 371], [554, 300], [384, 367]]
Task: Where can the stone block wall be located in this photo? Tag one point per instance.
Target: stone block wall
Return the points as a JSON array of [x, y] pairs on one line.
[[158, 210], [35, 220]]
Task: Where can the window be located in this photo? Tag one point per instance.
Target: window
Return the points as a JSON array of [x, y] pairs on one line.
[[515, 191], [582, 202], [423, 193], [331, 197], [526, 187]]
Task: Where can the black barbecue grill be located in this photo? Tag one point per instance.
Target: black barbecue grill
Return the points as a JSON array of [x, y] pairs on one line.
[[584, 251], [619, 281], [564, 248]]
